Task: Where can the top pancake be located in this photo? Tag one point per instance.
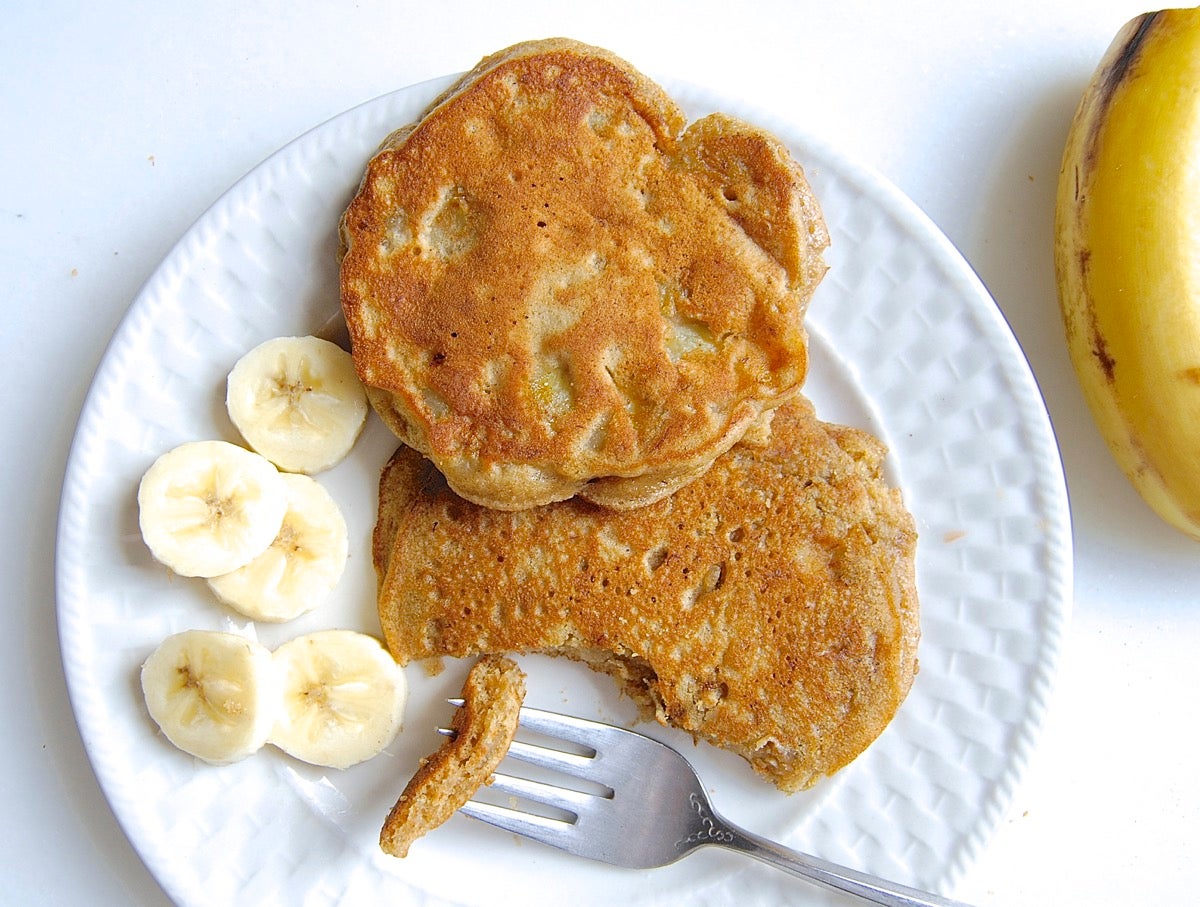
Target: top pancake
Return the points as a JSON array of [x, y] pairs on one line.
[[553, 288]]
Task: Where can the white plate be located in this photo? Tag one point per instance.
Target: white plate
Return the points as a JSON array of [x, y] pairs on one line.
[[906, 342]]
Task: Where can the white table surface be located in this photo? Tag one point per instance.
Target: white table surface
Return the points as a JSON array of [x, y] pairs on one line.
[[122, 122]]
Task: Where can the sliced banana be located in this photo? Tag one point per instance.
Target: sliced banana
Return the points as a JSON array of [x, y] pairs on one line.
[[343, 698], [214, 695], [300, 568], [209, 507], [298, 402]]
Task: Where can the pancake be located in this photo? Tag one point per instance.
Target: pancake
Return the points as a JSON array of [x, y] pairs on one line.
[[553, 287], [769, 607], [484, 727]]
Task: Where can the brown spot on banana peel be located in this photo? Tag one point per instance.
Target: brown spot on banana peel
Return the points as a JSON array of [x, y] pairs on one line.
[[1099, 346], [1120, 62], [1124, 60], [1100, 350], [1190, 375]]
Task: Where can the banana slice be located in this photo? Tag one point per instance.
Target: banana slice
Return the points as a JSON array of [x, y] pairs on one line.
[[343, 698], [214, 695], [298, 402], [209, 507], [300, 568]]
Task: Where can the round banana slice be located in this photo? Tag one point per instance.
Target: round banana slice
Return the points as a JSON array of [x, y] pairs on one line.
[[343, 698], [209, 507], [214, 695], [300, 568], [298, 402]]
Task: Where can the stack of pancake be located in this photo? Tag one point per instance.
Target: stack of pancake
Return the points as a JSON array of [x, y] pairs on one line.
[[585, 320]]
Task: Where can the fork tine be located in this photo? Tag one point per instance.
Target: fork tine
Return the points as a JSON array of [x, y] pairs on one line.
[[591, 735], [539, 828], [563, 798], [566, 727], [547, 757], [542, 756]]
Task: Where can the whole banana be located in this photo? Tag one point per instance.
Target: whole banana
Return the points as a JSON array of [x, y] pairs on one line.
[[1127, 256]]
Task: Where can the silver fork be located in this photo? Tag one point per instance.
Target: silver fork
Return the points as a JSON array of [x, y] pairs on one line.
[[650, 811]]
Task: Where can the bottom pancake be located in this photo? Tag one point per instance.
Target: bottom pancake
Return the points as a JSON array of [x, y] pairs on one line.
[[769, 607]]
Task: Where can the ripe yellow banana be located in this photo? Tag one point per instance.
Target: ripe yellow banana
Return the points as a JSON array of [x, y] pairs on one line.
[[1127, 256]]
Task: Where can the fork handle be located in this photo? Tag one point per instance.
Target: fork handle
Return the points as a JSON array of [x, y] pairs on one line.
[[829, 875]]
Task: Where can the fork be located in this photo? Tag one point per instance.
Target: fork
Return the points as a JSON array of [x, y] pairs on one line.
[[650, 811]]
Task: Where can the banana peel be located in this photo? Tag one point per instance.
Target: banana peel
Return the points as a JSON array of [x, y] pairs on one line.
[[1127, 256]]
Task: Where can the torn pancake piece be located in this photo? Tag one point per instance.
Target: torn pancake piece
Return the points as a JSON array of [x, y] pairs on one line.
[[484, 727]]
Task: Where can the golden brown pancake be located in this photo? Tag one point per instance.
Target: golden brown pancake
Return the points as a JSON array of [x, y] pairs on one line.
[[553, 287], [769, 607], [484, 727]]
